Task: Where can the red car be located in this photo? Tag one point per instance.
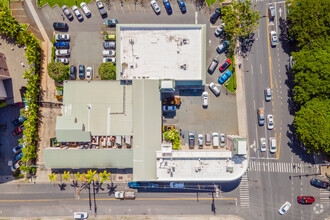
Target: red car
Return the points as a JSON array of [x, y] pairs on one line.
[[305, 199], [225, 65], [18, 130]]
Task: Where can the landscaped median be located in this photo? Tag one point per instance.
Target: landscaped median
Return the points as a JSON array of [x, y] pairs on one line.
[[231, 83], [60, 3]]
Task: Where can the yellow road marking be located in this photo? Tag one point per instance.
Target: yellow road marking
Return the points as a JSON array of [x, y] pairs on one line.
[[113, 199], [269, 57], [278, 150]]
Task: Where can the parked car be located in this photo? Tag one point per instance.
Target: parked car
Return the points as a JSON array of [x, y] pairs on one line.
[[214, 89], [18, 148], [191, 140], [223, 46], [16, 165], [224, 77], [18, 157], [169, 108], [319, 183], [73, 72], [67, 12], [284, 208], [77, 13], [81, 72], [19, 120], [213, 65], [85, 9], [219, 30], [215, 139], [111, 22], [155, 6], [109, 59], [182, 6], [61, 37], [215, 16], [167, 6], [225, 65], [110, 37], [107, 53], [60, 26], [80, 215], [207, 139], [305, 199], [273, 38], [205, 98], [89, 73], [272, 145], [261, 116], [109, 45], [222, 140], [263, 145], [62, 60], [270, 122], [168, 127], [101, 8], [62, 45], [268, 94], [62, 53], [19, 130], [200, 140]]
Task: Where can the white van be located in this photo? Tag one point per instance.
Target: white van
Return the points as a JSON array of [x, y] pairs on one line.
[[272, 145], [215, 139]]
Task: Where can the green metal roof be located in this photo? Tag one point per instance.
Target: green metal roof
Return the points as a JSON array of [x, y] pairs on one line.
[[67, 130], [147, 121], [90, 158]]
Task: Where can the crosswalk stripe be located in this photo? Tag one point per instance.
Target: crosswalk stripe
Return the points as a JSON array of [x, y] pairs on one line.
[[281, 167]]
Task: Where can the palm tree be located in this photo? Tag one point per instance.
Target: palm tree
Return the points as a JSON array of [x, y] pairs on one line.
[[52, 177], [79, 176], [90, 176], [66, 175], [104, 176]]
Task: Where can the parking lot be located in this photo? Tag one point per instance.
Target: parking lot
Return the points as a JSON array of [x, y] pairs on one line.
[[86, 48]]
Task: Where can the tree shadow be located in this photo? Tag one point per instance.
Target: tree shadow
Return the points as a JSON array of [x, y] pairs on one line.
[[112, 188], [246, 45], [98, 186], [62, 186]]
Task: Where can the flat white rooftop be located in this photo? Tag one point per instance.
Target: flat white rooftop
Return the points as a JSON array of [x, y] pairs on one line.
[[161, 52], [200, 166]]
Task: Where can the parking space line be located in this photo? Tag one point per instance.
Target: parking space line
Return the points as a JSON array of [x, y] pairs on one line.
[[196, 16], [129, 9]]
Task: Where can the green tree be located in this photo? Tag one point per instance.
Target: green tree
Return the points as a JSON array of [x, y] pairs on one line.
[[66, 175], [174, 137], [58, 71], [241, 20], [107, 71], [90, 175], [309, 21], [79, 176], [52, 177], [312, 123], [104, 176], [311, 72]]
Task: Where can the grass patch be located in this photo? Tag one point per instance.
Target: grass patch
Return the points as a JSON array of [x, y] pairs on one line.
[[60, 3], [53, 54], [210, 2], [231, 83]]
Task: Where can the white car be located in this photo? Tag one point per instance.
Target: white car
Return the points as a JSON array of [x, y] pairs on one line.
[[270, 122], [109, 59], [108, 53], [200, 141], [89, 73], [205, 99], [62, 53], [155, 6], [268, 94], [273, 38], [62, 37], [215, 139], [263, 146], [272, 145], [62, 60], [219, 30], [80, 215], [284, 208], [222, 140], [77, 13], [85, 9], [214, 89]]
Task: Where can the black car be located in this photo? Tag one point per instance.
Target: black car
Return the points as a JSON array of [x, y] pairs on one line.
[[60, 26], [319, 183], [73, 72], [81, 72], [215, 15]]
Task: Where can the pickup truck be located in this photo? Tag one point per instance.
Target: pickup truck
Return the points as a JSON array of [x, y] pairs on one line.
[[124, 195]]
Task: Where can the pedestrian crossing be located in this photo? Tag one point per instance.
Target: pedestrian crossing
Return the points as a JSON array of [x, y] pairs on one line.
[[324, 197], [244, 194], [278, 167]]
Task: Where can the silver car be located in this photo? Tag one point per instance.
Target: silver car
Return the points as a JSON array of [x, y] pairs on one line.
[[268, 94], [77, 13], [200, 141], [60, 37], [214, 89], [263, 145], [191, 140], [85, 9], [222, 140], [155, 6]]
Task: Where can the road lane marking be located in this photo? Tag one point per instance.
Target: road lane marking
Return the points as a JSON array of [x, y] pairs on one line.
[[279, 146], [269, 57], [260, 68], [196, 15]]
